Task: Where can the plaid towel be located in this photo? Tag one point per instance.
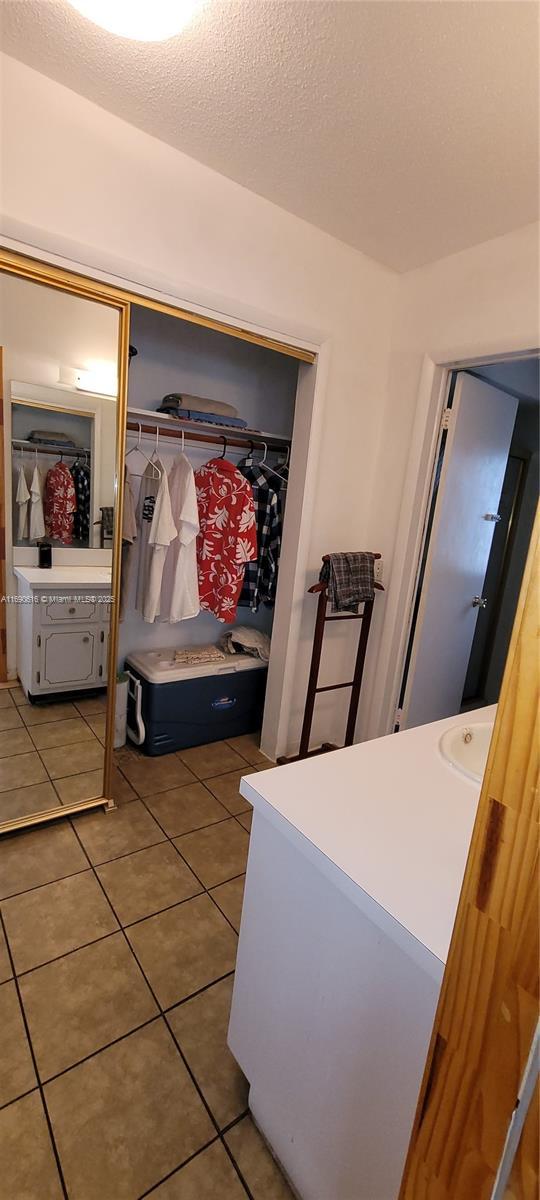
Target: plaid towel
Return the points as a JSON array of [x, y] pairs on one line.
[[350, 579]]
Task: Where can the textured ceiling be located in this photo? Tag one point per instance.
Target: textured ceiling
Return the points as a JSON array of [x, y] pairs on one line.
[[408, 129]]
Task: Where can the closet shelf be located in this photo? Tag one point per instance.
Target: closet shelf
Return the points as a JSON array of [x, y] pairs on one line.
[[50, 447], [202, 431]]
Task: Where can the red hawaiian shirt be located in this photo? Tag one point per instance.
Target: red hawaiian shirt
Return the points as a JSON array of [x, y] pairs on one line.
[[60, 504], [227, 538]]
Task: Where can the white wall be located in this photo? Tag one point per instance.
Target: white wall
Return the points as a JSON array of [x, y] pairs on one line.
[[92, 188], [473, 305]]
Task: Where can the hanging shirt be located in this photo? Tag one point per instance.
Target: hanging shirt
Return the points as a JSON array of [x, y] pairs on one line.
[[22, 497], [129, 535], [81, 482], [180, 586], [37, 521], [157, 531], [228, 536], [60, 504], [260, 579]]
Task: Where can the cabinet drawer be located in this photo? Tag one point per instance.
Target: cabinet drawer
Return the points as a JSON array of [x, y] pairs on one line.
[[56, 609]]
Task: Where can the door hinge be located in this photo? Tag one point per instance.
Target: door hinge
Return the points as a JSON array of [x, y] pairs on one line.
[[100, 672], [38, 676], [102, 636], [39, 640], [445, 419], [398, 719]]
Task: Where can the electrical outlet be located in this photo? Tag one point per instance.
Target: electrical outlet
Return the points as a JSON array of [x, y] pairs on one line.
[[379, 570]]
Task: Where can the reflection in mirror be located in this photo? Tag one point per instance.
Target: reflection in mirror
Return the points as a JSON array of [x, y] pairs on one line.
[[60, 357]]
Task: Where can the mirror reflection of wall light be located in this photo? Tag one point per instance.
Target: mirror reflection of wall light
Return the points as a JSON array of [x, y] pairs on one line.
[[140, 20], [100, 378]]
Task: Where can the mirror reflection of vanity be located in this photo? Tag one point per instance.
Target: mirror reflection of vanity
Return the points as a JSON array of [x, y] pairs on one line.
[[60, 356]]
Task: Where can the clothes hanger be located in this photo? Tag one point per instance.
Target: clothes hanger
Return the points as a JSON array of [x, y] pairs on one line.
[[224, 440], [262, 463], [151, 463]]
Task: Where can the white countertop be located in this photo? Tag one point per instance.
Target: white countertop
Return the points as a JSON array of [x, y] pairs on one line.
[[390, 820], [90, 576]]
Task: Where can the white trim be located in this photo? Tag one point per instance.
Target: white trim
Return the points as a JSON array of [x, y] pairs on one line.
[[435, 374]]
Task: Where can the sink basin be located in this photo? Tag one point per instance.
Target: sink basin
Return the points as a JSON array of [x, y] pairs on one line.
[[466, 748]]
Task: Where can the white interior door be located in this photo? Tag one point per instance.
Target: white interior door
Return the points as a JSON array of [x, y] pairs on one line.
[[480, 431]]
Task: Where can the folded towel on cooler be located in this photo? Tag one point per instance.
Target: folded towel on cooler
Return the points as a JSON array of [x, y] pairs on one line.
[[244, 640], [192, 655], [350, 578]]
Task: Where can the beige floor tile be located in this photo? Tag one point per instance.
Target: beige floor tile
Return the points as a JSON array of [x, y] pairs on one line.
[[60, 733], [200, 1027], [185, 808], [88, 706], [261, 1173], [21, 771], [51, 920], [5, 965], [227, 789], [121, 791], [72, 760], [85, 786], [29, 1170], [229, 897], [14, 742], [117, 1132], [209, 1176], [20, 802], [18, 696], [107, 835], [246, 820], [46, 714], [184, 948], [216, 853], [37, 856], [145, 882], [6, 698], [10, 718], [97, 725], [80, 1003], [248, 745], [212, 759], [17, 1073], [149, 775]]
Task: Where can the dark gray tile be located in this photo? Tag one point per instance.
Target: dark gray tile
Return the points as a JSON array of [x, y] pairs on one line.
[[214, 758], [126, 1118], [145, 882], [200, 1026], [17, 1073], [37, 856], [79, 1003], [29, 1170], [216, 853], [185, 808], [209, 1176], [261, 1172], [106, 835], [52, 920], [229, 897], [184, 948]]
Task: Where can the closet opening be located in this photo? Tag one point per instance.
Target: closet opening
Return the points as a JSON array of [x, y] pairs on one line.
[[209, 474]]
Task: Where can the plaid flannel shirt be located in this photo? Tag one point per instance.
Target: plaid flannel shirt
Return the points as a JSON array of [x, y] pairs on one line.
[[260, 578]]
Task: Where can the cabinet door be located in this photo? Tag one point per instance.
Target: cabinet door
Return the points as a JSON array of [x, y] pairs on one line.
[[69, 657]]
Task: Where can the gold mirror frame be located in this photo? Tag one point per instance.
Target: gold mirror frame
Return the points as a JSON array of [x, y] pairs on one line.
[[37, 271]]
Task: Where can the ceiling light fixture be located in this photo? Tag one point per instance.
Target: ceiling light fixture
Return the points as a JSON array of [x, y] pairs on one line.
[[140, 20]]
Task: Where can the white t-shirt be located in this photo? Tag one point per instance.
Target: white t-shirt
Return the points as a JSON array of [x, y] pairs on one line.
[[37, 523], [180, 588], [23, 496], [158, 530]]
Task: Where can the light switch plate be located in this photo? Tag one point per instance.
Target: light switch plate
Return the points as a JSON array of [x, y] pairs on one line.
[[379, 570]]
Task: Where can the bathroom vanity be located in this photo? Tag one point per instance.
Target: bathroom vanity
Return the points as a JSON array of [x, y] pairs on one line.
[[355, 867], [63, 617]]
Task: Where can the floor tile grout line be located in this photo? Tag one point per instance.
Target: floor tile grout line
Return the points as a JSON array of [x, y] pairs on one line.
[[176, 1170], [67, 953], [23, 1095], [36, 886], [35, 1066]]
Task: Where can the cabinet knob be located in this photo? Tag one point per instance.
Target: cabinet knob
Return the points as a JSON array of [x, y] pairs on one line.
[[86, 639], [71, 610]]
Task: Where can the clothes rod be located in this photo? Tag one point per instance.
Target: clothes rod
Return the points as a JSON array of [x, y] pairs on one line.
[[24, 444], [215, 439]]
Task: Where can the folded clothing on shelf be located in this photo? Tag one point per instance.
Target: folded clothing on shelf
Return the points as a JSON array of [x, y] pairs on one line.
[[244, 640], [176, 400], [48, 437], [193, 414], [199, 654]]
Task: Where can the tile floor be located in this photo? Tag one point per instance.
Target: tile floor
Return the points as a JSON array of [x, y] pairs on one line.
[[118, 940]]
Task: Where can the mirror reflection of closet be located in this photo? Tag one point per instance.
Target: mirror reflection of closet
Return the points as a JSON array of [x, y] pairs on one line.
[[60, 354]]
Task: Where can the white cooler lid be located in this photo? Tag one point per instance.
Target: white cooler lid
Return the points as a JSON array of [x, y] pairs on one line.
[[159, 666]]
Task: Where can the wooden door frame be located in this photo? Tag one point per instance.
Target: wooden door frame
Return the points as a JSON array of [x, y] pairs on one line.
[[3, 622], [488, 1007]]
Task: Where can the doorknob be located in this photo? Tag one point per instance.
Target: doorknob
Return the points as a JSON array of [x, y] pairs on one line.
[[479, 601]]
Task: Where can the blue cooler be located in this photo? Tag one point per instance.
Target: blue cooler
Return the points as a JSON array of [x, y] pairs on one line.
[[173, 706]]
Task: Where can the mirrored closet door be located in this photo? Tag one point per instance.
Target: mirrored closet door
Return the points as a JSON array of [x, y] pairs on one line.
[[60, 356]]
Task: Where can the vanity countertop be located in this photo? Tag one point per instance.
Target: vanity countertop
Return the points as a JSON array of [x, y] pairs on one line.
[[90, 576], [388, 820]]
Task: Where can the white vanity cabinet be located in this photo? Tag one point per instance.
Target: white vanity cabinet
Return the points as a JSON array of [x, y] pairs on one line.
[[63, 619]]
